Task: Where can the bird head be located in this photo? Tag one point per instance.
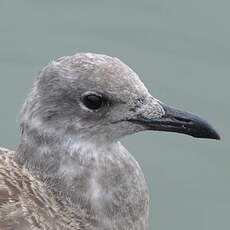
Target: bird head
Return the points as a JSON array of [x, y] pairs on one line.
[[96, 97]]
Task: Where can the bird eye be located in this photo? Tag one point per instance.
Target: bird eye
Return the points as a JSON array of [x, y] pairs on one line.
[[93, 101]]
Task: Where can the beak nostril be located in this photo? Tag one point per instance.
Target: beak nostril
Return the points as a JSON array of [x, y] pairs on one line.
[[182, 119]]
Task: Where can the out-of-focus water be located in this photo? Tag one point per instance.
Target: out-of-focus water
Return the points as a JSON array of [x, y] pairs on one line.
[[181, 51]]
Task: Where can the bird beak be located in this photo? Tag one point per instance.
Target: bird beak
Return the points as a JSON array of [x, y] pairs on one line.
[[178, 121]]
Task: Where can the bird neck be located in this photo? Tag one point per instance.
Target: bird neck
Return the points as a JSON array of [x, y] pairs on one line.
[[101, 179], [60, 154]]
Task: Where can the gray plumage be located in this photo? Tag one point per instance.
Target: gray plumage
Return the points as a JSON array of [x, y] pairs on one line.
[[70, 171]]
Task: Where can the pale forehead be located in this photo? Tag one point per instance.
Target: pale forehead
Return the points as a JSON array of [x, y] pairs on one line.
[[103, 71]]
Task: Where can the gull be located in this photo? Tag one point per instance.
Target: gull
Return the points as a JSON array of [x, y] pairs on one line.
[[70, 171]]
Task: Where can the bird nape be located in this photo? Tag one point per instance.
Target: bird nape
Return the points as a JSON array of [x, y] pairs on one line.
[[70, 171]]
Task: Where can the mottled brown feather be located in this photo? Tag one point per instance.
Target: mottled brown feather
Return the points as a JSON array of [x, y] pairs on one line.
[[25, 203]]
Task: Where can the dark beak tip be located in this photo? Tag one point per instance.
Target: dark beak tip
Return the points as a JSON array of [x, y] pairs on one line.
[[218, 137], [211, 135], [214, 135], [205, 130]]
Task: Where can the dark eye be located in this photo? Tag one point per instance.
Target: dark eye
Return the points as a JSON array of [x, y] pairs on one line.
[[93, 101]]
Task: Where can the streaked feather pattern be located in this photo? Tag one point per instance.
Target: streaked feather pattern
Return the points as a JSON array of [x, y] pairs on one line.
[[25, 203]]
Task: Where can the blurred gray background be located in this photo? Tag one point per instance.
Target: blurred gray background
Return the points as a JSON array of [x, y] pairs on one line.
[[180, 49]]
